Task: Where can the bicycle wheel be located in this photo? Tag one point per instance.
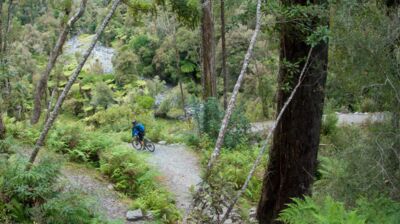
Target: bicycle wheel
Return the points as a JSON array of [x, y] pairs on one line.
[[136, 144], [150, 146]]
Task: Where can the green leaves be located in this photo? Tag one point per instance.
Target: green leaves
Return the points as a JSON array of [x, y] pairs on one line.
[[321, 34], [308, 211]]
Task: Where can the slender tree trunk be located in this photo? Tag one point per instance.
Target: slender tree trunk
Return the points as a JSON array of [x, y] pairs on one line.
[[2, 127], [4, 46], [50, 103], [42, 84], [223, 45], [293, 156], [74, 76], [208, 50], [178, 69]]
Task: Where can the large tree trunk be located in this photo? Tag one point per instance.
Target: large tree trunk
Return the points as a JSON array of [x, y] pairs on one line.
[[74, 76], [223, 46], [42, 84], [208, 50], [293, 157]]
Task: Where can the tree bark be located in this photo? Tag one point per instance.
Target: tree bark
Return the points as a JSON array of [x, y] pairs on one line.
[[74, 76], [178, 71], [42, 84], [264, 147], [223, 46], [208, 50], [2, 127], [293, 157]]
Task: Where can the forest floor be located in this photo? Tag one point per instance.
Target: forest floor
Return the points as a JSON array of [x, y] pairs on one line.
[[179, 171]]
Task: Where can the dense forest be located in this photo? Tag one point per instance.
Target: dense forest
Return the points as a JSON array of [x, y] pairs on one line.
[[279, 111]]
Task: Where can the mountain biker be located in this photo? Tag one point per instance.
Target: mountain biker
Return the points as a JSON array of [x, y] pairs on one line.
[[138, 130]]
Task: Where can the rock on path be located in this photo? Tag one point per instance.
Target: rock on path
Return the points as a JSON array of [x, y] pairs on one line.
[[180, 170]]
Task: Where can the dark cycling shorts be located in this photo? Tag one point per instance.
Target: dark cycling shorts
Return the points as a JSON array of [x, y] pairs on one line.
[[141, 136]]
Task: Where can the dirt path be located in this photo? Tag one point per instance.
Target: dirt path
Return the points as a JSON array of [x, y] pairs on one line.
[[180, 170], [343, 119], [110, 204]]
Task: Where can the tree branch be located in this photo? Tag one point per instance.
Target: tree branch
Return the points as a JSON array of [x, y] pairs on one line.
[[74, 76]]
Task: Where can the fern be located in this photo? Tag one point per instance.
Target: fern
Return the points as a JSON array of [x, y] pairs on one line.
[[307, 211]]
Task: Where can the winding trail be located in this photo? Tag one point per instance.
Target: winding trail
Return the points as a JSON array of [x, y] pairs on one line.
[[180, 171]]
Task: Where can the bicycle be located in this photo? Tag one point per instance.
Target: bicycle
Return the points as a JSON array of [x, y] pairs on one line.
[[148, 145]]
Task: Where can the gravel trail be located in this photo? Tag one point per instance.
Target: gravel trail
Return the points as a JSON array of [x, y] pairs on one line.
[[180, 170]]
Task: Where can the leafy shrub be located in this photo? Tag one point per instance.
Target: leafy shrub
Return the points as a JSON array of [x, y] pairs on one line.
[[34, 195], [156, 86], [171, 105], [307, 211], [124, 167], [66, 208], [73, 140], [360, 162], [116, 118], [102, 96], [21, 130], [209, 118], [234, 167], [145, 102], [131, 175], [329, 124]]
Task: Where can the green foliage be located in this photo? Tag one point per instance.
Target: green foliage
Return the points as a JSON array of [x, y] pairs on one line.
[[115, 118], [131, 175], [209, 122], [155, 86], [308, 211], [329, 211], [234, 167], [34, 195], [349, 171], [171, 106], [66, 208], [329, 124], [102, 96], [77, 143]]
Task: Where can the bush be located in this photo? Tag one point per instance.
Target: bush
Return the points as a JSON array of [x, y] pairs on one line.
[[329, 124], [66, 208], [208, 119], [72, 139], [102, 96], [116, 118], [131, 175], [329, 211], [360, 162], [308, 211], [34, 195]]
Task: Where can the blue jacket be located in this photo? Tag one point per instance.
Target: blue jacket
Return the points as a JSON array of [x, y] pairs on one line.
[[138, 128]]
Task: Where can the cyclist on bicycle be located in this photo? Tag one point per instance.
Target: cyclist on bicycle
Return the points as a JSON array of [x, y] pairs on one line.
[[138, 130]]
